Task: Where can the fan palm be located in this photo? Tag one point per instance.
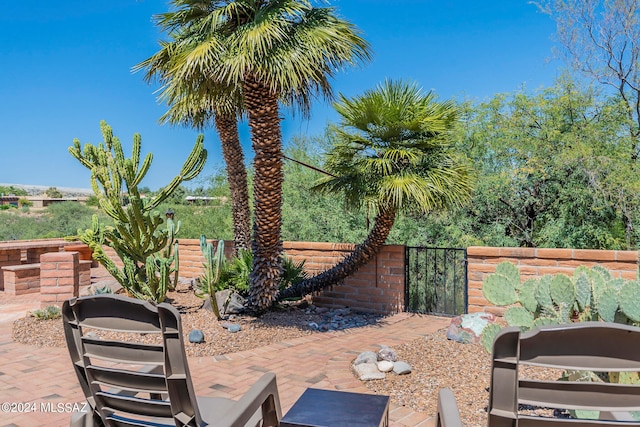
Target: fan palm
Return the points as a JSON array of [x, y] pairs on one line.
[[268, 51], [197, 102], [390, 154]]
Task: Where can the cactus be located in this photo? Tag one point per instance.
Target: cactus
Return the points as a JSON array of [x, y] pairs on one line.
[[144, 248], [489, 335], [519, 316], [583, 290], [543, 293], [629, 300], [214, 261], [528, 295], [499, 290]]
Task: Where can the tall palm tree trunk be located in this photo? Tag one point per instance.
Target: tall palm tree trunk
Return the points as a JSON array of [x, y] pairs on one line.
[[264, 121], [227, 127], [362, 254]]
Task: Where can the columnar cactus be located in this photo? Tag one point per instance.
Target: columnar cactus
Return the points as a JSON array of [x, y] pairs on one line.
[[214, 261], [147, 251]]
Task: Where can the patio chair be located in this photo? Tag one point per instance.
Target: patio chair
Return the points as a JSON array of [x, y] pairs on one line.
[[588, 346], [144, 379]]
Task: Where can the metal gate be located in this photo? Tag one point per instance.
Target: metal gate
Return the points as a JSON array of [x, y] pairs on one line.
[[436, 280]]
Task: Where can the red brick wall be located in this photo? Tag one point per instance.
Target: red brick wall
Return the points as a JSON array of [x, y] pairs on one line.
[[377, 287], [59, 277], [534, 262]]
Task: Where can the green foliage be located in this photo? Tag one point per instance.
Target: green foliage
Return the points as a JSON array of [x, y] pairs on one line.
[[144, 247], [5, 191], [236, 273], [24, 202], [213, 266], [552, 170], [53, 193], [47, 313]]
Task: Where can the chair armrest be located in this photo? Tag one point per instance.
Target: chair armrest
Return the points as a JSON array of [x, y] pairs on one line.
[[448, 414], [262, 395]]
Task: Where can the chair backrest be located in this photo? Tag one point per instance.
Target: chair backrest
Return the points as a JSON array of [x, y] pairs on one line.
[[587, 346], [124, 379]]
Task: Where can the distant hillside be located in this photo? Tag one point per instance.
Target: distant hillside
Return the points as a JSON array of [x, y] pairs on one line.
[[34, 190]]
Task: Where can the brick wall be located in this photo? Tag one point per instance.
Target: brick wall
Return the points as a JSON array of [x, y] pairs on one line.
[[59, 277], [533, 262], [377, 287]]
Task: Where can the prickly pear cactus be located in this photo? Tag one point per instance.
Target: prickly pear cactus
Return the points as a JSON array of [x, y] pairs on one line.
[[489, 335], [500, 290], [606, 304], [543, 292], [563, 291], [519, 316], [583, 290], [527, 295], [629, 300]]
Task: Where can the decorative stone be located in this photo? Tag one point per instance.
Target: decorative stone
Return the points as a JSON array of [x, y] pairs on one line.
[[467, 328], [401, 368], [313, 326], [366, 357], [234, 328], [221, 299], [368, 372], [387, 353], [235, 304], [196, 336], [385, 366]]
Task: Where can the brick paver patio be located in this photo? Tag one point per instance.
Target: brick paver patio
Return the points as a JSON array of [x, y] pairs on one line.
[[43, 377]]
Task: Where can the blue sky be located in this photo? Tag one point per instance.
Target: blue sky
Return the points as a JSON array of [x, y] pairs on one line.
[[66, 65]]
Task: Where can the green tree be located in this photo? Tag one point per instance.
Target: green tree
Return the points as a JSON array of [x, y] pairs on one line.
[[270, 51], [197, 100], [391, 154], [53, 193], [601, 39], [553, 169]]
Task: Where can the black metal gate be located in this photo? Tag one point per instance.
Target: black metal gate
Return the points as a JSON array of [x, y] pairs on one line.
[[436, 280]]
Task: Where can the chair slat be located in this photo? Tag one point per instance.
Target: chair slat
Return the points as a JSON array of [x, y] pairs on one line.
[[528, 421], [580, 395], [135, 405], [141, 382], [119, 421], [573, 347], [123, 352]]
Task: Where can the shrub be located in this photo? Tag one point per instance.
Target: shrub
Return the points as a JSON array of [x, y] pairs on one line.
[[47, 313]]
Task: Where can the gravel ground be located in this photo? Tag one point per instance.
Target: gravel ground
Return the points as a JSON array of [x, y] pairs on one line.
[[436, 361]]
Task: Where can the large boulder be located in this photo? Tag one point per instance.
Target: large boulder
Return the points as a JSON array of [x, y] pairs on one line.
[[467, 328]]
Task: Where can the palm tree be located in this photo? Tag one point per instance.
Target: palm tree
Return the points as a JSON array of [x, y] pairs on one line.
[[390, 153], [196, 102], [270, 51]]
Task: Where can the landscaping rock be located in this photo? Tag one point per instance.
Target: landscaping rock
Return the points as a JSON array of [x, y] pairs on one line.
[[196, 336], [467, 328], [234, 328], [366, 357], [387, 353], [221, 299], [368, 372], [401, 368], [385, 366], [235, 304]]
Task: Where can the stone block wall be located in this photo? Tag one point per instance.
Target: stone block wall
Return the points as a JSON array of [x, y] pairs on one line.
[[534, 262], [59, 277], [21, 279]]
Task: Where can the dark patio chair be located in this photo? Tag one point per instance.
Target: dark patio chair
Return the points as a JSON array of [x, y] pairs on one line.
[[144, 380], [588, 346]]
